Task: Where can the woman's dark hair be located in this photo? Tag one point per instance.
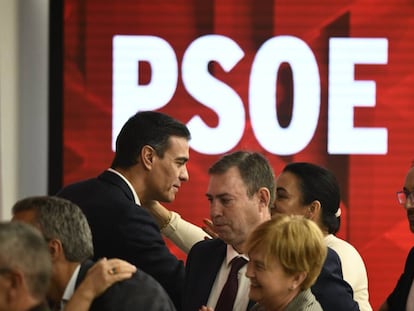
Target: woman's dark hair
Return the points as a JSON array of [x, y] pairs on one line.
[[318, 183]]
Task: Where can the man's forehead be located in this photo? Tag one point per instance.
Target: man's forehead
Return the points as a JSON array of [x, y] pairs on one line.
[[226, 187], [227, 179], [177, 141], [179, 146]]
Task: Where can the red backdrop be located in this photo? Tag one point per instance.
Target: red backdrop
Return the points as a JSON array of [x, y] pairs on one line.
[[372, 220]]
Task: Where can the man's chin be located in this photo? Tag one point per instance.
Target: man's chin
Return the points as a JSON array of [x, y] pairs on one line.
[[169, 198]]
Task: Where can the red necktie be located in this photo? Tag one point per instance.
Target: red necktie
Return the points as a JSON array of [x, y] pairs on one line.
[[229, 291]]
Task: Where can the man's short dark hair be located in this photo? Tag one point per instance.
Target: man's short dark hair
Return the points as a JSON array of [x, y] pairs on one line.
[[146, 128]]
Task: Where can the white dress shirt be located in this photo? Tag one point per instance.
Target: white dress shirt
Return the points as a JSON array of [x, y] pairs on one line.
[[242, 298], [70, 288]]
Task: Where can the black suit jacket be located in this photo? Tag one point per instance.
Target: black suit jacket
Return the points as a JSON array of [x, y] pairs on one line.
[[206, 257], [124, 230], [140, 292], [397, 300]]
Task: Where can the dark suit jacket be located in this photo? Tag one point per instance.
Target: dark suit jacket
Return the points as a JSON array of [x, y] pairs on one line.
[[140, 292], [124, 230], [206, 257], [397, 300], [330, 289]]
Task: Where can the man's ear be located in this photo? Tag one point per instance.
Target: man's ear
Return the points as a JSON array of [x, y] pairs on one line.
[[147, 156], [264, 198], [55, 249]]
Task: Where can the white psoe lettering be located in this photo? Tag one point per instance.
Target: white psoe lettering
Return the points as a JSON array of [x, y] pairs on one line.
[[345, 92]]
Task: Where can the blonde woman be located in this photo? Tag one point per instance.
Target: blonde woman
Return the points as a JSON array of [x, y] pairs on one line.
[[286, 256]]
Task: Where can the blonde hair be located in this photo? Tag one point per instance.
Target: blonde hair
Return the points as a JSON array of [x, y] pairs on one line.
[[296, 242]]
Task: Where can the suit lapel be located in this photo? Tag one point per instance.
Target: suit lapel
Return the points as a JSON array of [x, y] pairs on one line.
[[114, 179], [216, 262], [85, 266]]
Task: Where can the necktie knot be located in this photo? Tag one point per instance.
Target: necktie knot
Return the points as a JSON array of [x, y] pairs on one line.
[[237, 263]]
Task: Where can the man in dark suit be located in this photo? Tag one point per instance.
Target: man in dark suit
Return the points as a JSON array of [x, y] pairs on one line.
[[240, 189], [202, 268], [403, 294], [69, 238], [152, 150]]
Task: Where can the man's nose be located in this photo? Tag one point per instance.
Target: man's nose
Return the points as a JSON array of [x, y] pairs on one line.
[[184, 176]]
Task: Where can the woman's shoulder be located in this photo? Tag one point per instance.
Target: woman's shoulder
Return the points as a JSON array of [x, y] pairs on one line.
[[342, 247]]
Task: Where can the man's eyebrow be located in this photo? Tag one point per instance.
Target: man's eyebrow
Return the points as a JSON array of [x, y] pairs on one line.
[[182, 159], [220, 195]]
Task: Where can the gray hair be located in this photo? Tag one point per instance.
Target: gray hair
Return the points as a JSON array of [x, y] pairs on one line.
[[23, 248], [61, 219]]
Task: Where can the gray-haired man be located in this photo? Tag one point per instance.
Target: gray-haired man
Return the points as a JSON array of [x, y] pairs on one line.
[[25, 267], [69, 238]]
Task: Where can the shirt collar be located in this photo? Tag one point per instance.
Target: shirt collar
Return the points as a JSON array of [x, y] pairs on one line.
[[70, 287], [136, 198], [232, 253]]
